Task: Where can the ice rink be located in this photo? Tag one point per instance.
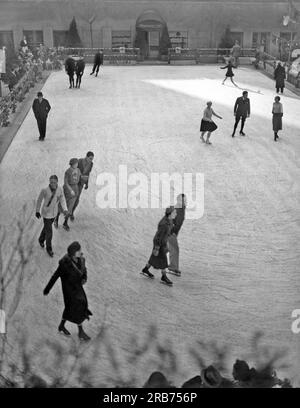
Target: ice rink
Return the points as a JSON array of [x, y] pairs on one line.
[[240, 261]]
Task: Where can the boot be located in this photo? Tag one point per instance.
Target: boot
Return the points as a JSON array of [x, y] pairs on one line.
[[62, 329], [82, 335]]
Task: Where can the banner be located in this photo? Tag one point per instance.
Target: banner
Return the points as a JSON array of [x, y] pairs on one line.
[[2, 61]]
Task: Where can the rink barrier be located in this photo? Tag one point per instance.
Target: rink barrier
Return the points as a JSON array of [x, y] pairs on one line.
[[208, 55]]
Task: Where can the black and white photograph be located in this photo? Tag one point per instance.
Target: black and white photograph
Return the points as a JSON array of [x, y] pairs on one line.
[[149, 196]]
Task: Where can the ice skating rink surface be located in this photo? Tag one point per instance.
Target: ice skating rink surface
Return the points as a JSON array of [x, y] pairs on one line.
[[240, 261]]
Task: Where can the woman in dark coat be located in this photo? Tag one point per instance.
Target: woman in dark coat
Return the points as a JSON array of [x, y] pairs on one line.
[[158, 258], [80, 65], [70, 69], [229, 73], [279, 75], [73, 274], [277, 112]]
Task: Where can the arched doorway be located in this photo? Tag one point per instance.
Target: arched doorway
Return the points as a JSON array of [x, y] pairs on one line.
[[149, 26]]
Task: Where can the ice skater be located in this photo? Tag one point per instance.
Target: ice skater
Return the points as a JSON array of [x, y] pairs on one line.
[[41, 108], [71, 188], [70, 69], [79, 69], [279, 75], [229, 73], [85, 166], [236, 52], [173, 238], [277, 112], [241, 112], [158, 258], [207, 124], [50, 196], [73, 274], [98, 61]]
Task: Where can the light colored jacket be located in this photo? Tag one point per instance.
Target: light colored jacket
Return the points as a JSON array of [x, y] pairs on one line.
[[45, 197]]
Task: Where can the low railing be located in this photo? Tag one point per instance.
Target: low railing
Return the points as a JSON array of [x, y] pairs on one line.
[[199, 54], [118, 56]]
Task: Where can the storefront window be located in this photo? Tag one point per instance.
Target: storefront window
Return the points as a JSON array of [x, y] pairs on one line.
[[121, 39], [179, 39]]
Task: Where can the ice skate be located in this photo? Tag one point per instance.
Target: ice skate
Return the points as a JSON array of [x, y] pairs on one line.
[[83, 336], [166, 281], [175, 272], [242, 133], [50, 252], [42, 244], [147, 273], [64, 331]]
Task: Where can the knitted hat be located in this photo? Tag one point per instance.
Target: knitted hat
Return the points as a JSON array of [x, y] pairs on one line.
[[39, 94], [73, 161], [73, 248]]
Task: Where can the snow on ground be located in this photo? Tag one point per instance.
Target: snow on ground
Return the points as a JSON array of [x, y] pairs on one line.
[[240, 261]]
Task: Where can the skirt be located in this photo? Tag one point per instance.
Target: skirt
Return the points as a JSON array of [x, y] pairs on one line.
[[207, 126], [161, 260], [277, 122]]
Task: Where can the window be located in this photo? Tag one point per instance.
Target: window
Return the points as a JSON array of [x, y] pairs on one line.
[[6, 39], [261, 40], [237, 36], [60, 38], [179, 39], [34, 38], [121, 38]]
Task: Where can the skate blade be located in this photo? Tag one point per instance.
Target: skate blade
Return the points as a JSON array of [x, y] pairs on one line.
[[174, 273], [146, 276], [167, 284]]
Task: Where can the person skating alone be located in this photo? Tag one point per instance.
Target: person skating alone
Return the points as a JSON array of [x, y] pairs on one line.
[[85, 166], [158, 258], [70, 69], [71, 188], [236, 52], [277, 112], [173, 240], [207, 124], [73, 274], [41, 108], [241, 112], [98, 61], [229, 73], [279, 75], [50, 197], [79, 69]]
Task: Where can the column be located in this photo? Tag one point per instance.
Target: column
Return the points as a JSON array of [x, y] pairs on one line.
[[48, 36], [106, 37]]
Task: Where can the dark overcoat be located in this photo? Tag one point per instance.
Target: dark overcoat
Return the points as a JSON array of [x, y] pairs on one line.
[[279, 75], [70, 66], [160, 241], [73, 275], [80, 65]]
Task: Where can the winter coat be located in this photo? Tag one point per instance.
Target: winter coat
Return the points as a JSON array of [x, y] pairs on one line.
[[242, 107], [160, 241], [73, 276], [229, 72], [41, 109], [279, 75], [98, 59], [85, 167], [178, 220], [80, 65], [50, 203], [70, 66]]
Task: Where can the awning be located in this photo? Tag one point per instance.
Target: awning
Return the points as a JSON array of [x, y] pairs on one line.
[[150, 20]]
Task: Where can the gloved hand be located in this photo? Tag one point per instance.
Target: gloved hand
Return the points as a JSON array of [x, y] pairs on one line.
[[86, 187], [38, 215], [155, 251]]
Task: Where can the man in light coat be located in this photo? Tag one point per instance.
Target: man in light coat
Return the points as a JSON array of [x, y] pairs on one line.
[[50, 197]]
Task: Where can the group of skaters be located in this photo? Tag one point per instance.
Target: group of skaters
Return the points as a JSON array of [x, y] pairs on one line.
[[76, 66], [241, 108], [53, 201]]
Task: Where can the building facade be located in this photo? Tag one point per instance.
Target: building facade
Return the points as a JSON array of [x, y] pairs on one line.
[[114, 23]]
